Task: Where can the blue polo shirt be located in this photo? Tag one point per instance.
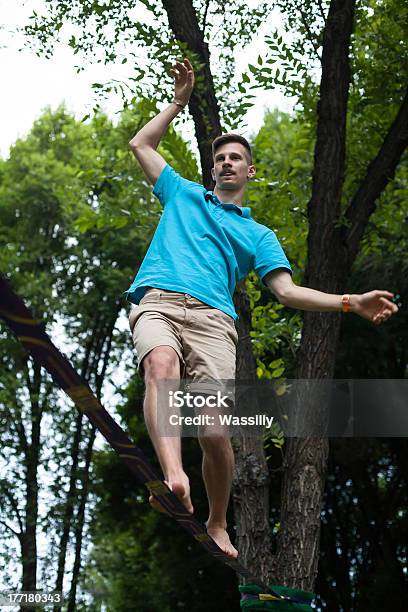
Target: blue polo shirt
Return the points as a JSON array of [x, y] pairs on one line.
[[203, 246]]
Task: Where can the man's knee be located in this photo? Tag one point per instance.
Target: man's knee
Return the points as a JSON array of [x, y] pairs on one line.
[[161, 363], [215, 445]]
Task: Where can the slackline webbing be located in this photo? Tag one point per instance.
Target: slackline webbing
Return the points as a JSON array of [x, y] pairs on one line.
[[254, 599], [33, 337]]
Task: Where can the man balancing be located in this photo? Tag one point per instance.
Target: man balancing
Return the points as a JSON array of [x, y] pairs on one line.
[[184, 324]]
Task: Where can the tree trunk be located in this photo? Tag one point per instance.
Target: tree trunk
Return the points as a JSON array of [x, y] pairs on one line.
[[80, 521], [69, 506], [28, 538], [251, 480]]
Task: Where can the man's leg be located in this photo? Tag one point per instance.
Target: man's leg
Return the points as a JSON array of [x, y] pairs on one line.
[[209, 350], [162, 363], [218, 467]]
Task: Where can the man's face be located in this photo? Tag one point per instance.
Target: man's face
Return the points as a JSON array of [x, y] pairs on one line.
[[231, 166]]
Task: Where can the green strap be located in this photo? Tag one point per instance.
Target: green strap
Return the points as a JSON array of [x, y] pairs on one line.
[[282, 599]]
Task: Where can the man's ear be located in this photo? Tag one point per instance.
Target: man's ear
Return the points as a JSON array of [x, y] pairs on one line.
[[251, 172], [213, 174]]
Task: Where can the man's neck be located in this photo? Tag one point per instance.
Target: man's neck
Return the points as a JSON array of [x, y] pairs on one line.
[[227, 195]]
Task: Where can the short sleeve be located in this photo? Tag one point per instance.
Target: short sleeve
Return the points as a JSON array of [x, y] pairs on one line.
[[270, 255], [167, 185]]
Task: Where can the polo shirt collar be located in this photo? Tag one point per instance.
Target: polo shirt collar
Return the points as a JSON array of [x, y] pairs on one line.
[[244, 211]]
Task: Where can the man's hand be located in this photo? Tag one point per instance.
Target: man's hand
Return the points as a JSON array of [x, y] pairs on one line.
[[374, 305], [183, 74], [144, 144]]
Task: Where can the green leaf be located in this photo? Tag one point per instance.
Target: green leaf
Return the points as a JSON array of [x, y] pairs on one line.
[[277, 373]]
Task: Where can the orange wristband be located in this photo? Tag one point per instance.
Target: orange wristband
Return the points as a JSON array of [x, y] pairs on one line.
[[345, 302], [179, 103]]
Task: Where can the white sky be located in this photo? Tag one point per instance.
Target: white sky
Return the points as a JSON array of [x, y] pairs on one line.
[[31, 83]]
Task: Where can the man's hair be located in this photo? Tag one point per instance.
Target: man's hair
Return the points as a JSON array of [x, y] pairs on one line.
[[224, 138]]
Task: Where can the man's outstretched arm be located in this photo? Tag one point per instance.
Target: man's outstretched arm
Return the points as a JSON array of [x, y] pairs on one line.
[[146, 141], [373, 305]]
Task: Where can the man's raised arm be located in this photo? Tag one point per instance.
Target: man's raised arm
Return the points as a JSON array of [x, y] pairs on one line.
[[146, 141]]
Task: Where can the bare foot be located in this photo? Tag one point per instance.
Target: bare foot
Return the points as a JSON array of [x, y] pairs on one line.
[[181, 490], [221, 537]]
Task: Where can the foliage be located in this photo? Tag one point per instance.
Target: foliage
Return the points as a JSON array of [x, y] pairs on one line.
[[137, 35]]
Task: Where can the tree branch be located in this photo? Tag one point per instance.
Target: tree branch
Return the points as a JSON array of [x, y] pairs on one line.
[[18, 426], [16, 533], [205, 17], [310, 35], [14, 506], [379, 173], [321, 10]]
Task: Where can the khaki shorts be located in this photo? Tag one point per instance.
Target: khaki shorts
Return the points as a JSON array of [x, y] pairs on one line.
[[203, 337]]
